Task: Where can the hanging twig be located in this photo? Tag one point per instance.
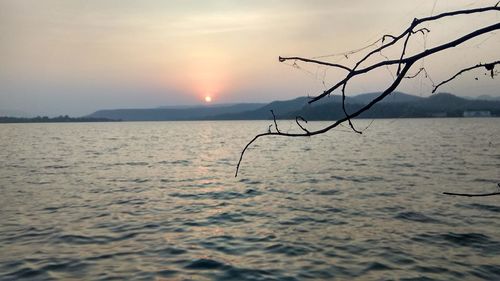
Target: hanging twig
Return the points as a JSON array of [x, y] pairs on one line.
[[300, 126], [275, 123]]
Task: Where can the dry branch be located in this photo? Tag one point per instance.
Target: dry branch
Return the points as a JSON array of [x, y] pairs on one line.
[[283, 59], [473, 194], [275, 123], [488, 66], [297, 118], [403, 63]]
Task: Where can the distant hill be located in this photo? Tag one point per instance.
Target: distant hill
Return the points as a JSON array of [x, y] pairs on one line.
[[174, 113], [396, 105], [482, 97], [281, 109], [395, 97], [438, 105], [488, 97]]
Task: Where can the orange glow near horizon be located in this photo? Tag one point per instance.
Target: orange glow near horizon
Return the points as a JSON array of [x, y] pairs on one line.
[[205, 73], [201, 85]]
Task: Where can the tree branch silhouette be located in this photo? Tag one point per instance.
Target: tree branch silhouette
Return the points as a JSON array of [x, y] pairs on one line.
[[488, 66], [403, 64], [283, 59], [473, 194]]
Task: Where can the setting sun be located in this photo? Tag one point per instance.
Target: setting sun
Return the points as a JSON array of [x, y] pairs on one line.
[[208, 99]]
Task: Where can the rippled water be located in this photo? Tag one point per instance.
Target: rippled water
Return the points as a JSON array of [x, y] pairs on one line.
[[158, 200]]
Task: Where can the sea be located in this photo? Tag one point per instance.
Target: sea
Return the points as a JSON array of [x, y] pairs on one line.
[[159, 201]]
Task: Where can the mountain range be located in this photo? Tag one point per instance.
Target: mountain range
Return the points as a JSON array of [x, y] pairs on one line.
[[396, 105]]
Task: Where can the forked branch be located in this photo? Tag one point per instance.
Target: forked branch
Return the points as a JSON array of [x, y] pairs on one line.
[[404, 64]]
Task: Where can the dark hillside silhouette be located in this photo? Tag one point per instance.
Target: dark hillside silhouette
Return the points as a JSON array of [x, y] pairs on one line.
[[397, 105]]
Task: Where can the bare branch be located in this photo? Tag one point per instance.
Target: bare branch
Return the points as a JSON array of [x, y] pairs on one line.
[[388, 36], [404, 65], [421, 30], [411, 59], [488, 66], [474, 194], [388, 91], [405, 44], [459, 12], [345, 110], [422, 69], [420, 21], [245, 149], [297, 118], [404, 50], [283, 59], [416, 74], [275, 123], [352, 125], [415, 23], [471, 195]]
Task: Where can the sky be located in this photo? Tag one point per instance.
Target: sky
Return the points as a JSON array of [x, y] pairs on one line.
[[78, 56]]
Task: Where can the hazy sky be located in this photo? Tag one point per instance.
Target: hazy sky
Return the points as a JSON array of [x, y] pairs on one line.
[[77, 56]]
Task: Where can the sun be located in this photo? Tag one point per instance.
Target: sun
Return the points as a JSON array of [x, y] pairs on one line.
[[208, 99]]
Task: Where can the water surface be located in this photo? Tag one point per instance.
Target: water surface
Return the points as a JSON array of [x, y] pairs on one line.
[[158, 200]]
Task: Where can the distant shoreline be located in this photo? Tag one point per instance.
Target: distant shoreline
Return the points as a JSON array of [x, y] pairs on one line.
[[398, 105], [15, 120], [59, 119]]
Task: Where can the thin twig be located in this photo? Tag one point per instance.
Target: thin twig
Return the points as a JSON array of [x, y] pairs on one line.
[[405, 44], [488, 66], [421, 30], [275, 123], [283, 59], [474, 194], [416, 74], [346, 54], [389, 36], [297, 118], [404, 50], [471, 195], [345, 110]]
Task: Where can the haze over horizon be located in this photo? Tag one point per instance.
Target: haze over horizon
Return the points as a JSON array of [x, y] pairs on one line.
[[76, 57]]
